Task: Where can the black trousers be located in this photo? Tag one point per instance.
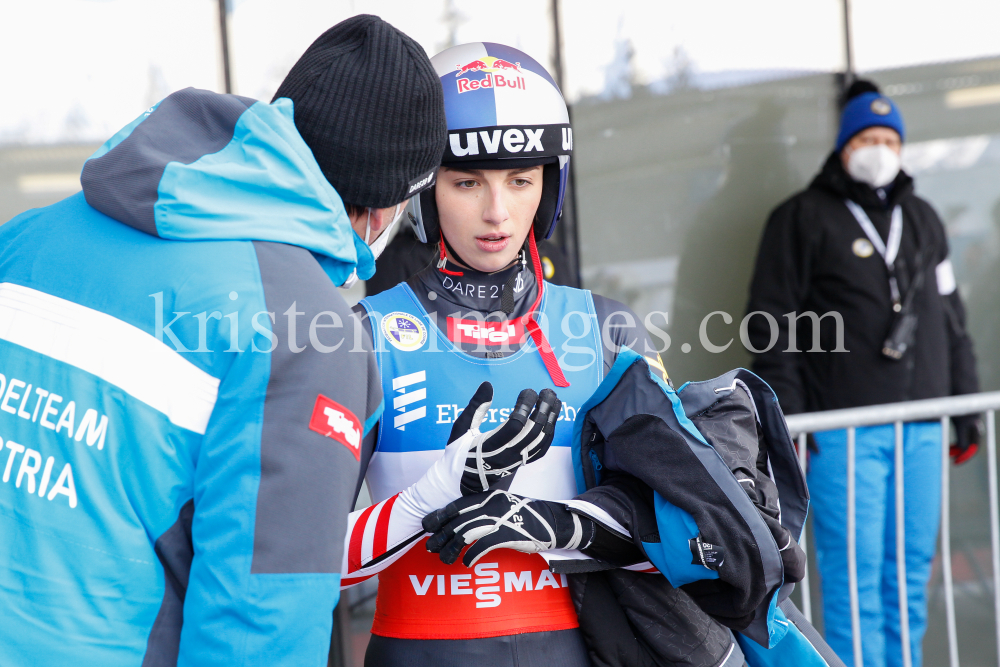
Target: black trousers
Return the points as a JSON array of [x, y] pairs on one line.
[[559, 648]]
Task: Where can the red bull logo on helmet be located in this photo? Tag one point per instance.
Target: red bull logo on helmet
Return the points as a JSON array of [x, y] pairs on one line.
[[492, 68]]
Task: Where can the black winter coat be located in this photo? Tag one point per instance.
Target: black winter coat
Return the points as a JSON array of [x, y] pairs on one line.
[[806, 262]]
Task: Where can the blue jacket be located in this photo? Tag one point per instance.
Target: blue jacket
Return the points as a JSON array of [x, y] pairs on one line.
[[180, 434], [697, 474]]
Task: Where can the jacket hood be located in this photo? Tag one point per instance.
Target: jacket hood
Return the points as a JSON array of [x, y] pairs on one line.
[[200, 166], [833, 178]]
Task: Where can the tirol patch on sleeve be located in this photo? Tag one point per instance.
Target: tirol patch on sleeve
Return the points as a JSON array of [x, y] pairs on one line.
[[333, 420]]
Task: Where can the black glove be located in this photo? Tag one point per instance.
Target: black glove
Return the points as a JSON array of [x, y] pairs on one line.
[[968, 434], [502, 520], [524, 437]]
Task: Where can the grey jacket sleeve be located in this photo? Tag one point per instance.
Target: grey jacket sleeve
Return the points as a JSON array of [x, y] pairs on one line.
[[275, 477], [362, 336], [316, 374]]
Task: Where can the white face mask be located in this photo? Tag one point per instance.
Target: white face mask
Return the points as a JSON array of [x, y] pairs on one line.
[[380, 243], [875, 165]]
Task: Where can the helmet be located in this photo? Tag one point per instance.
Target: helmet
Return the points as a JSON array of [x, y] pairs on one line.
[[504, 112]]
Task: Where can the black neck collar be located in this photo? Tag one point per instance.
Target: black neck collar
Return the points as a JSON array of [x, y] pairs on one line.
[[473, 290]]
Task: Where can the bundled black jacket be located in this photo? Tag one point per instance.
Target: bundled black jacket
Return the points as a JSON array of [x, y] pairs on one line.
[[806, 262]]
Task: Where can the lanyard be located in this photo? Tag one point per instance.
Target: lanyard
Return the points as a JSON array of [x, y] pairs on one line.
[[889, 252]]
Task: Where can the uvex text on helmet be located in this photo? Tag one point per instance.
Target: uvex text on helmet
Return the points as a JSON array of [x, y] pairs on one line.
[[504, 111], [370, 107]]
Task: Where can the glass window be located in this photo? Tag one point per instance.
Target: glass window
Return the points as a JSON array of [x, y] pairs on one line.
[[693, 132]]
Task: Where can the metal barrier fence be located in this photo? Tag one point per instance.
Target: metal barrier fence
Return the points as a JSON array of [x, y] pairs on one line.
[[898, 414]]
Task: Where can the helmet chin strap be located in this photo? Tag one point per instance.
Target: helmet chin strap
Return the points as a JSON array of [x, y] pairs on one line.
[[444, 258], [507, 295], [537, 335]]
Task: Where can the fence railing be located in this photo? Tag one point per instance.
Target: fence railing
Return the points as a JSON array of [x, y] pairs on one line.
[[898, 414]]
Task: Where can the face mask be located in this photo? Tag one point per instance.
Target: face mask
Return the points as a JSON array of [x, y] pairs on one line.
[[875, 165], [380, 243]]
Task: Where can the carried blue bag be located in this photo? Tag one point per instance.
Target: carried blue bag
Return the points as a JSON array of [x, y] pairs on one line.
[[727, 488]]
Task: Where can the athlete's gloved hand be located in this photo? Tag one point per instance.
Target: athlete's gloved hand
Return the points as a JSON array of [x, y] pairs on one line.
[[524, 437], [469, 457], [968, 434], [441, 484], [501, 520]]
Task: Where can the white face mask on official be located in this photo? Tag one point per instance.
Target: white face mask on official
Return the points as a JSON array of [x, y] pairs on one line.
[[875, 165], [380, 243]]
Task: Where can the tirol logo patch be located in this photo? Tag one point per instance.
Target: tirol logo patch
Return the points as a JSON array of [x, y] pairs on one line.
[[404, 331], [333, 420], [488, 333]]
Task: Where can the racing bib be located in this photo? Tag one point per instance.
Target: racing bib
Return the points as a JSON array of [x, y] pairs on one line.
[[426, 382], [506, 592]]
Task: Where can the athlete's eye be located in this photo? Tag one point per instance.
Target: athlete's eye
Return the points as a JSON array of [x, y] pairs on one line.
[[467, 184], [521, 182]]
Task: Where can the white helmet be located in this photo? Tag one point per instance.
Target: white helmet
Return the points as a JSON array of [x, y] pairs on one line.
[[504, 111]]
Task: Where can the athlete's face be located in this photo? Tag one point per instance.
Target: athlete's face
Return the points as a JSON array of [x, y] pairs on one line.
[[487, 214]]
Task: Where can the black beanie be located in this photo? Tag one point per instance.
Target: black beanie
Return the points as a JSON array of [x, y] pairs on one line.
[[370, 107]]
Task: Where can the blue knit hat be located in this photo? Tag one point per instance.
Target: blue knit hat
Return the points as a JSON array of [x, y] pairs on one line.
[[868, 110]]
